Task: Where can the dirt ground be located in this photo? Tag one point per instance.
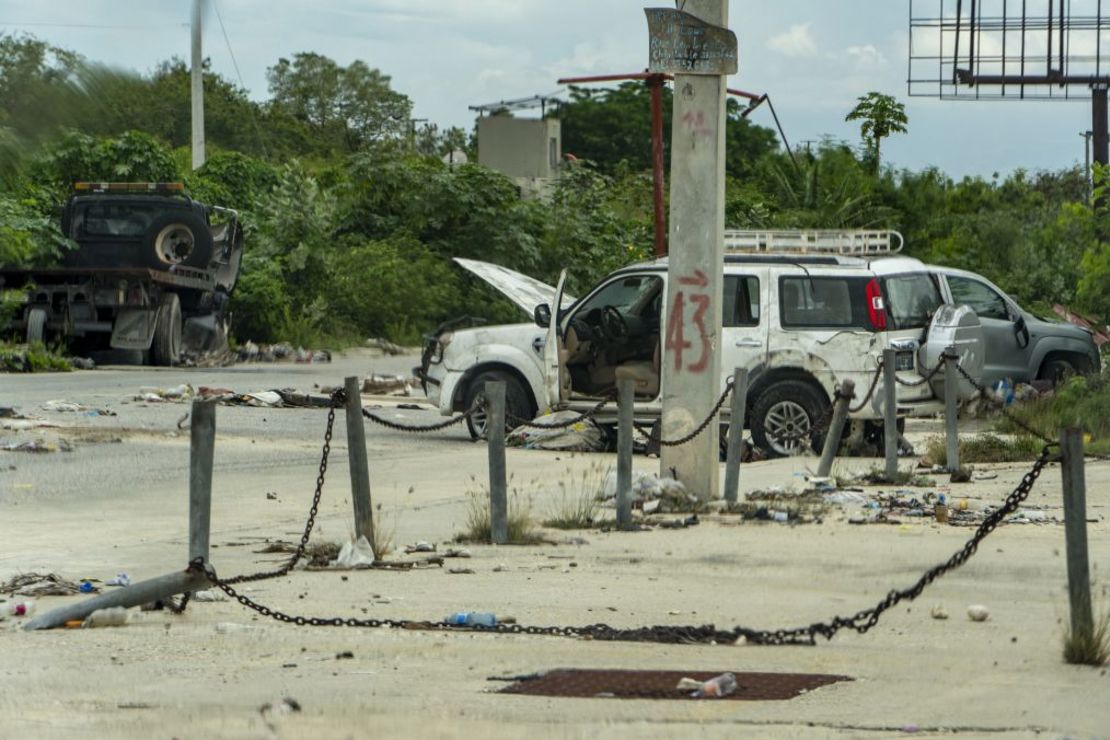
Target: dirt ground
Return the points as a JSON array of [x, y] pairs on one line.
[[111, 506]]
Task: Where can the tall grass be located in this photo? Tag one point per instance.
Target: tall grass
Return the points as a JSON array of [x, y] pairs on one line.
[[1082, 402]]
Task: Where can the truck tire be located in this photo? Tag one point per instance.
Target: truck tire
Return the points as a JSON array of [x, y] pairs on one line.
[[517, 404], [788, 407], [180, 238], [36, 325], [165, 350]]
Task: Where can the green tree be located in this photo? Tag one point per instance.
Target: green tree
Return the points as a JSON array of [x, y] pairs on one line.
[[880, 115], [611, 126], [346, 108]]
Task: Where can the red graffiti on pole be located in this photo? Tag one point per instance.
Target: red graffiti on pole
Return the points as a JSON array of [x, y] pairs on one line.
[[677, 343]]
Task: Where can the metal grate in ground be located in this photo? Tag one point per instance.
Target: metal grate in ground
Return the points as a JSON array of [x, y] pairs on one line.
[[628, 684]]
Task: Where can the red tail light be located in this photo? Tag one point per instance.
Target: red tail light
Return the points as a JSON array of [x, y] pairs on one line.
[[876, 306]]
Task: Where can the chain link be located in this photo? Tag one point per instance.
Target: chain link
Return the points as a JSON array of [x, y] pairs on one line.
[[927, 377], [337, 400], [418, 427], [860, 622], [985, 394]]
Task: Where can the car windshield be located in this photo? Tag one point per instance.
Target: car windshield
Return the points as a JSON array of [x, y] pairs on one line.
[[912, 300]]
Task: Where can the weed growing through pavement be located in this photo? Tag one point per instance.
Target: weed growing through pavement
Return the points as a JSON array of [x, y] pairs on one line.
[[579, 501], [985, 448], [877, 476], [1090, 648], [521, 525]]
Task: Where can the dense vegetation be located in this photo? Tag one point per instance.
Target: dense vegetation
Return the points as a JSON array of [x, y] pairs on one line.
[[352, 215]]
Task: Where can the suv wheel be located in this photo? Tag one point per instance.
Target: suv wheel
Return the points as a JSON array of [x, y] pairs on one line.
[[1057, 371], [517, 405], [785, 418]]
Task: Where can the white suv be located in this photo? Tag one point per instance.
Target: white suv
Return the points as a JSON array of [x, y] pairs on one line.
[[801, 311]]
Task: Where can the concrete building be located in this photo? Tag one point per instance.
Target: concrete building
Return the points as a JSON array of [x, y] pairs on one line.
[[528, 150]]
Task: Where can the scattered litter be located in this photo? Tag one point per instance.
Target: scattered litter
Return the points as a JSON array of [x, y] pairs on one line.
[[461, 571], [38, 446], [938, 612], [115, 616], [209, 596], [72, 407], [421, 546], [472, 619], [984, 475], [1028, 516], [16, 609], [234, 628], [121, 579], [585, 436], [714, 688], [271, 496], [280, 707], [386, 385], [40, 584], [344, 655], [87, 588], [385, 346], [978, 613], [456, 553], [23, 423], [177, 394], [690, 521], [251, 352], [355, 554]]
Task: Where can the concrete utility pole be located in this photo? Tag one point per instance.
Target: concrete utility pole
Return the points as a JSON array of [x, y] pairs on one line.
[[197, 90], [691, 363]]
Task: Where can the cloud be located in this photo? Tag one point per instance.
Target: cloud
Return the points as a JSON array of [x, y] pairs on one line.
[[795, 42], [866, 56]]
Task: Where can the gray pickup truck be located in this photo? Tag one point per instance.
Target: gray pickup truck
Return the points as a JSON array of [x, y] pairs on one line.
[[152, 270]]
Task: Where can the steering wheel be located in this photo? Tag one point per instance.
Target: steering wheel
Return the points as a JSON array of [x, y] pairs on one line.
[[613, 323]]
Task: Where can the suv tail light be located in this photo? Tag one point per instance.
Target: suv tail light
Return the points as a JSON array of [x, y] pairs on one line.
[[876, 306]]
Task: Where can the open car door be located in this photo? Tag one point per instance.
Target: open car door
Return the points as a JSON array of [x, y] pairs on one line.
[[553, 361]]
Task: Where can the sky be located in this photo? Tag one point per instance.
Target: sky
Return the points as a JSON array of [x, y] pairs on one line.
[[814, 58]]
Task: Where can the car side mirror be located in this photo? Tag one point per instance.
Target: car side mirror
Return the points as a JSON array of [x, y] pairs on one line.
[[542, 315], [1021, 332]]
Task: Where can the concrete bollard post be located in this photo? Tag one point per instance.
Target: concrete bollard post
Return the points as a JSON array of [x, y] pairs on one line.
[[625, 398], [737, 407], [1075, 531], [836, 428], [495, 438], [202, 443], [890, 414], [360, 466], [951, 409]]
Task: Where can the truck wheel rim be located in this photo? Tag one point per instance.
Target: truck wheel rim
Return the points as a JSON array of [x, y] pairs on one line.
[[174, 244], [787, 426]]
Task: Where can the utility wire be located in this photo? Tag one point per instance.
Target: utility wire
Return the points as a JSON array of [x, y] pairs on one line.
[[95, 25], [238, 74]]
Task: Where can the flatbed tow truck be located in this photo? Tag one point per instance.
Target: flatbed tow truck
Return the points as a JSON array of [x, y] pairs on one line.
[[152, 271]]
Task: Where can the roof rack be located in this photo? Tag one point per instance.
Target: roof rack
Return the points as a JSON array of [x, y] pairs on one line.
[[850, 242]]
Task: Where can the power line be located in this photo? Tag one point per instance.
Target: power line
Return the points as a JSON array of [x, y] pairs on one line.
[[95, 25], [235, 64]]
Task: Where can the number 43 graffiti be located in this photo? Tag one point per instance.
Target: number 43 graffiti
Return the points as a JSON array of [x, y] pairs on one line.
[[677, 324]]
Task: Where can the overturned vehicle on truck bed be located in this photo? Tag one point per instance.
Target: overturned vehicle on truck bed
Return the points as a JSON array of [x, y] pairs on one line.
[[152, 270]]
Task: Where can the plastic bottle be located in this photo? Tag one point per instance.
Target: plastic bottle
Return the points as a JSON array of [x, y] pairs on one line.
[[17, 609], [472, 619], [718, 686], [115, 616]]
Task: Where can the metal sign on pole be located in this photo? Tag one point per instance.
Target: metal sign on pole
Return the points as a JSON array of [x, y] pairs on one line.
[[699, 49]]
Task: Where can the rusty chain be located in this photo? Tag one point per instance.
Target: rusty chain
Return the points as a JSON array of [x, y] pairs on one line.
[[861, 621], [984, 393], [927, 377], [419, 427]]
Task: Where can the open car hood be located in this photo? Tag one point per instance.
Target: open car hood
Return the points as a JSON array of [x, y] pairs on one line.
[[522, 290]]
